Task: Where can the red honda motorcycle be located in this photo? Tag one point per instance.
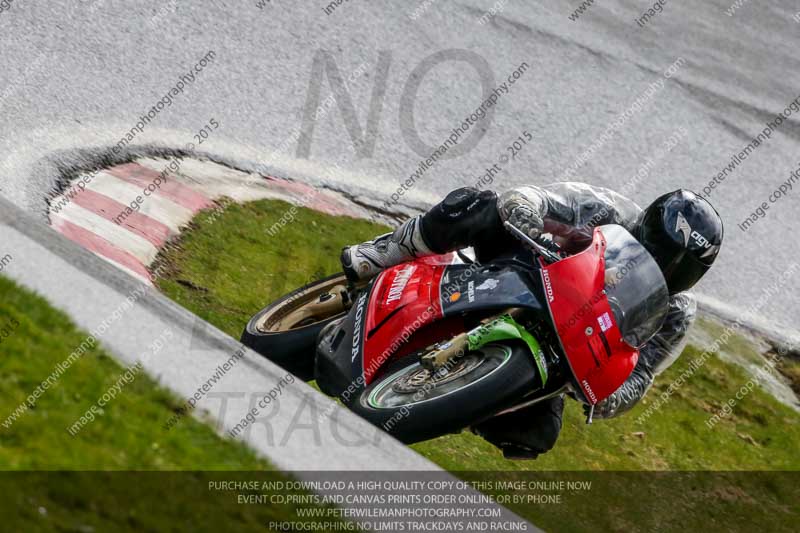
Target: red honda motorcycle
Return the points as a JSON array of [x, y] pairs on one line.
[[441, 343]]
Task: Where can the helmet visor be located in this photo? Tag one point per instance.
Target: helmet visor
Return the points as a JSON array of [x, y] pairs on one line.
[[635, 286]]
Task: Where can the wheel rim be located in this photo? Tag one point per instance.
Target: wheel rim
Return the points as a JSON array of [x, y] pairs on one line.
[[414, 384], [311, 305]]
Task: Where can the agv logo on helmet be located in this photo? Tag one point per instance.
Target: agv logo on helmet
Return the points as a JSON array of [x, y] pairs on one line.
[[683, 226]]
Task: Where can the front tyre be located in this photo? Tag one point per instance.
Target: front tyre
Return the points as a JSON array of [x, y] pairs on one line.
[[413, 404]]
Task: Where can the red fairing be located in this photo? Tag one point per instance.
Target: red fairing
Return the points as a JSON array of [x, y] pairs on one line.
[[404, 299], [599, 358]]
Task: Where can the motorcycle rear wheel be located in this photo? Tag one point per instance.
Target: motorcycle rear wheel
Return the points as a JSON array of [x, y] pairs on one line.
[[285, 332], [413, 404]]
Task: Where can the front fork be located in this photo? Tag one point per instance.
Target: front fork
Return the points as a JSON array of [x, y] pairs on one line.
[[503, 327], [490, 330], [444, 352]]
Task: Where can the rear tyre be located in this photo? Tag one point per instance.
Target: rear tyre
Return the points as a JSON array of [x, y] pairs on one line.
[[413, 405], [285, 332]]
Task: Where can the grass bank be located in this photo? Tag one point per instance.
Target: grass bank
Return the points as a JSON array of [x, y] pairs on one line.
[[50, 479]]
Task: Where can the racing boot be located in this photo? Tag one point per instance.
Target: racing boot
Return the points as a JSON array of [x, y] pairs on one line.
[[362, 262], [527, 432]]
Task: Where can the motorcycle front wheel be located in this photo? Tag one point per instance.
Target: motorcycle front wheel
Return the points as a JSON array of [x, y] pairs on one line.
[[414, 404]]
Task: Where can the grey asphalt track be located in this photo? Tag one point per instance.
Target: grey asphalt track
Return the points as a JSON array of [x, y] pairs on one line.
[[78, 75]]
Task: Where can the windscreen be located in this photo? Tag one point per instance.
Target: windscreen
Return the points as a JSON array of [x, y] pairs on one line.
[[636, 290]]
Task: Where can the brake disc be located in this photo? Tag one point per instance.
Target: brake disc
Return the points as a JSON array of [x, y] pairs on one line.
[[422, 378]]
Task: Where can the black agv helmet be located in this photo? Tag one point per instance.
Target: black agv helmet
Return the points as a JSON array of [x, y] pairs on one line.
[[683, 232]]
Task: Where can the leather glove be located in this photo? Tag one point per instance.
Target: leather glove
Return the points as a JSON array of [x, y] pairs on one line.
[[521, 213]]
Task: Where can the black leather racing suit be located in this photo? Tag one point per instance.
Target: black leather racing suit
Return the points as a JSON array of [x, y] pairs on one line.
[[467, 217]]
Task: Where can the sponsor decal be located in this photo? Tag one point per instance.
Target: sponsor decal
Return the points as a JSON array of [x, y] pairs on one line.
[[548, 287], [589, 391], [488, 285], [456, 296], [471, 291], [357, 326], [605, 322], [399, 284]]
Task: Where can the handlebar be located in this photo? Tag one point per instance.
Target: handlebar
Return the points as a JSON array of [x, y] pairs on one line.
[[541, 249]]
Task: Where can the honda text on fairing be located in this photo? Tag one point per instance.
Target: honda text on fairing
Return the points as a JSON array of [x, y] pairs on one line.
[[441, 343]]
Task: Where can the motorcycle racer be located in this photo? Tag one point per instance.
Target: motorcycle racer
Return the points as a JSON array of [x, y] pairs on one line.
[[680, 229]]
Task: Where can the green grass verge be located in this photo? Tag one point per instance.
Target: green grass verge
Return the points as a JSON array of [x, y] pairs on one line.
[[226, 269], [127, 435], [229, 267]]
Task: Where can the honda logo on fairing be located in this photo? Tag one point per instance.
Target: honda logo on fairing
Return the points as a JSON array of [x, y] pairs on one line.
[[589, 391], [399, 284], [357, 327], [548, 286]]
